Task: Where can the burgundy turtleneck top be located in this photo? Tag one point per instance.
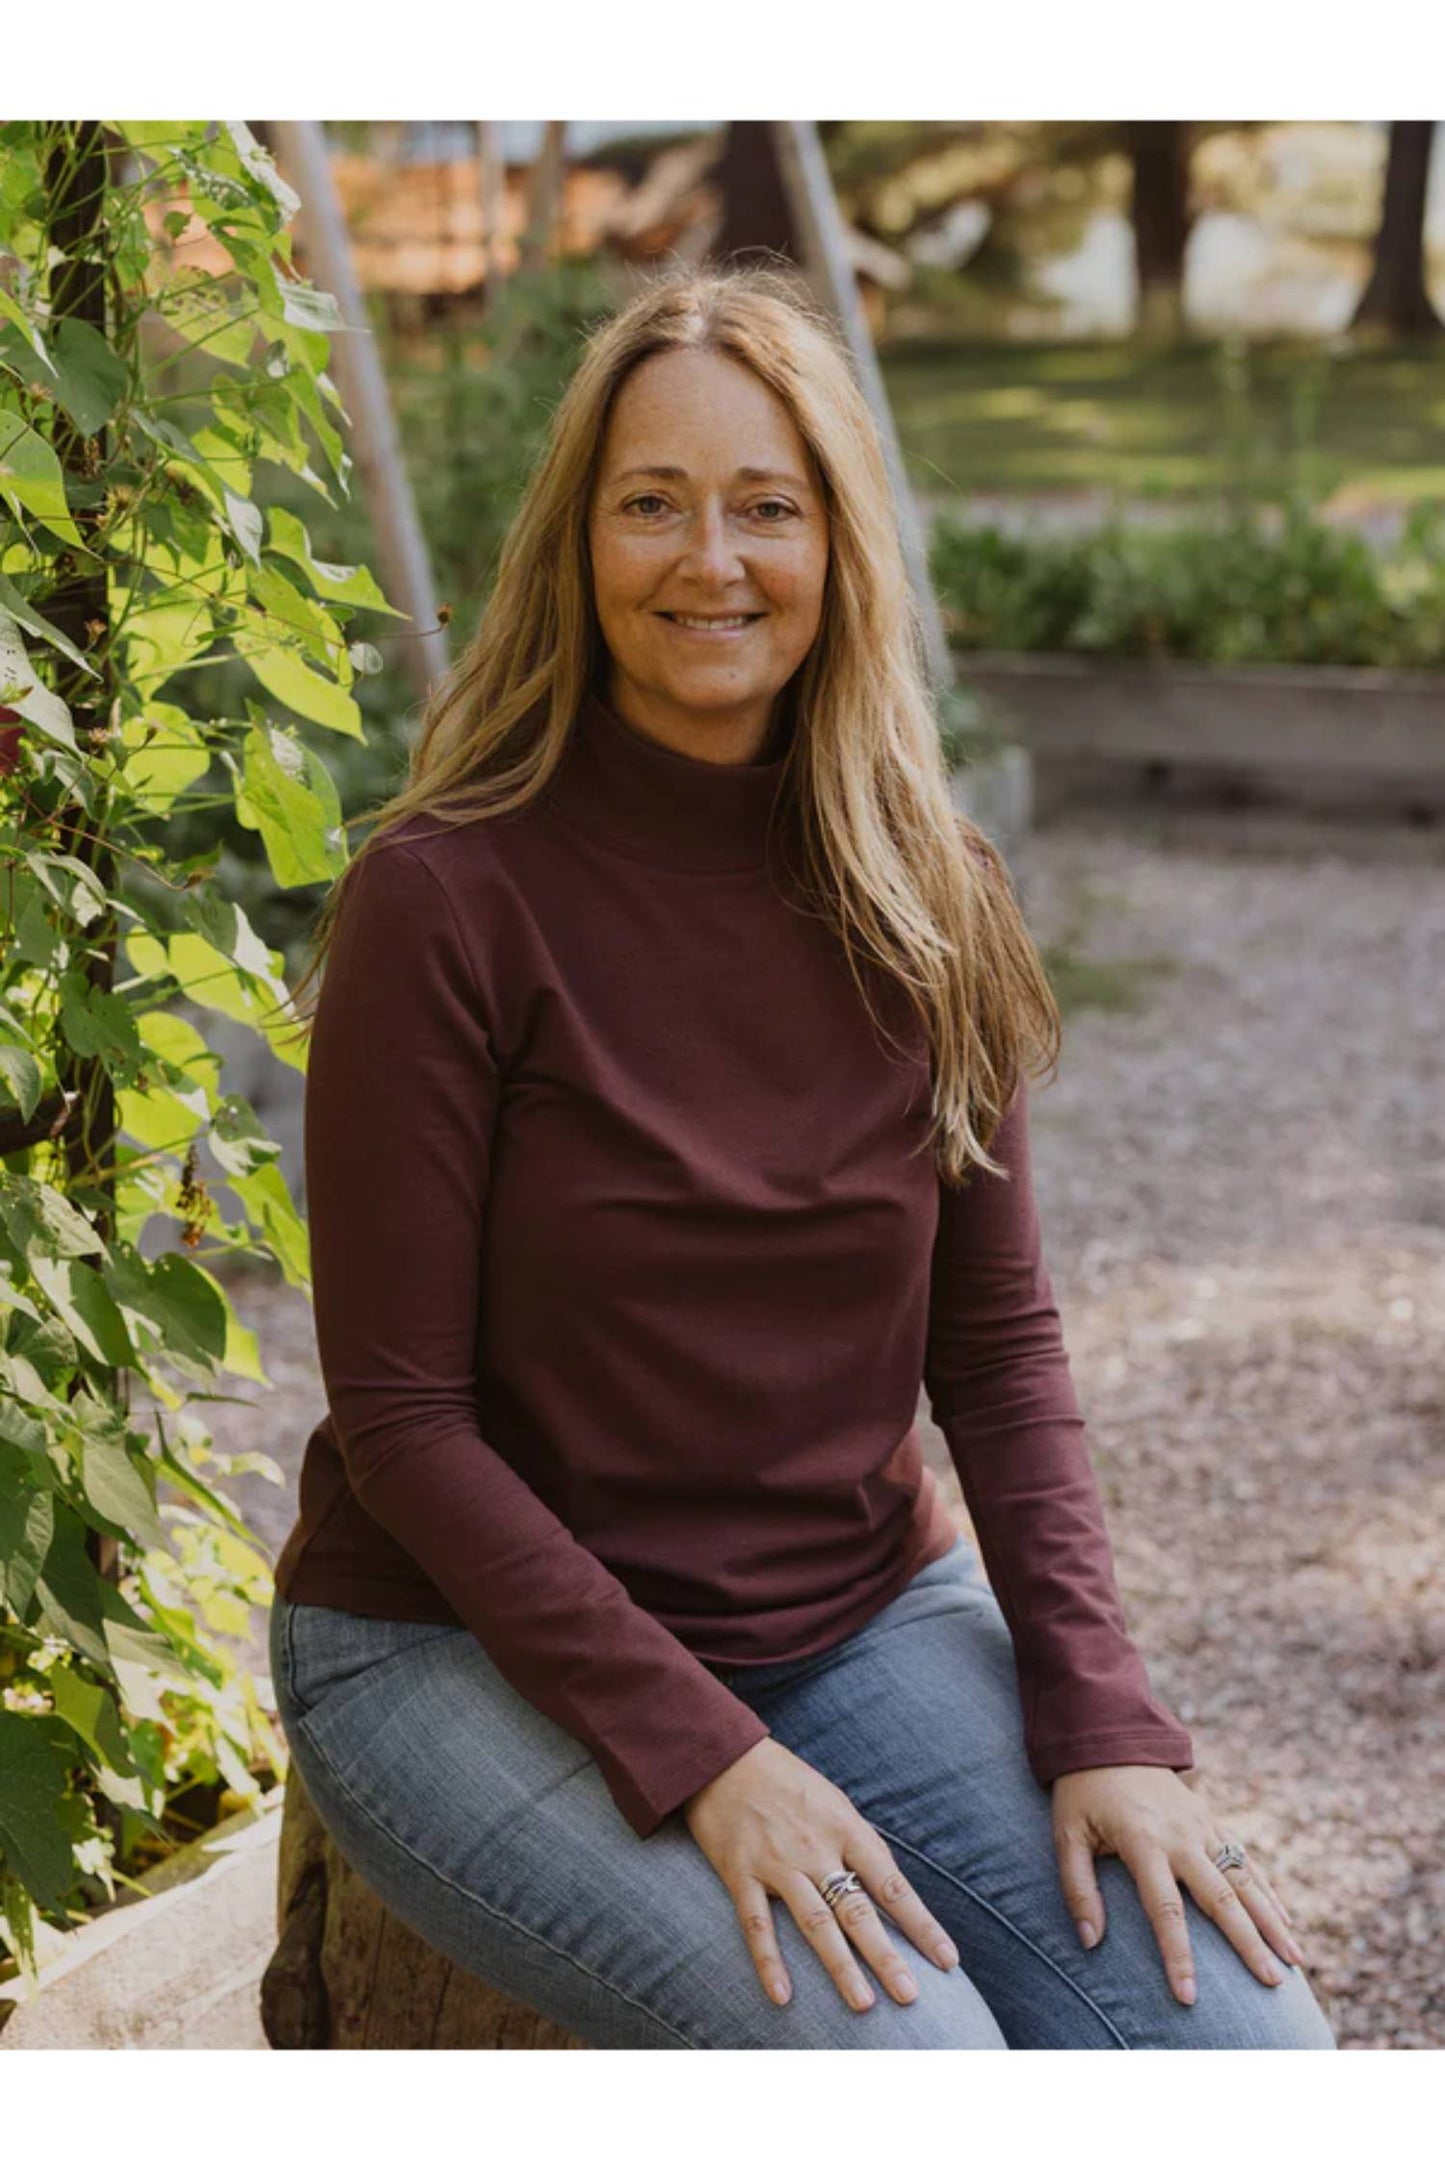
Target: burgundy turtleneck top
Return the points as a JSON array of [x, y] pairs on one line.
[[628, 1271]]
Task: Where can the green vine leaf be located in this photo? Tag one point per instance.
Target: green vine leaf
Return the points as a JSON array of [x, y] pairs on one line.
[[36, 1770], [287, 793], [42, 1223], [81, 1297], [177, 1300], [16, 606], [22, 691], [115, 1486], [286, 677], [90, 376], [20, 1078], [27, 1524], [92, 1713], [32, 481]]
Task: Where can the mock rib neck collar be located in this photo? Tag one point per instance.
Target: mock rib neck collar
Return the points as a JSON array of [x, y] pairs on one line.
[[660, 804]]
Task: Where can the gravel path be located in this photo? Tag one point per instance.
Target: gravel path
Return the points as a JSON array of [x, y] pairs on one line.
[[1242, 1186]]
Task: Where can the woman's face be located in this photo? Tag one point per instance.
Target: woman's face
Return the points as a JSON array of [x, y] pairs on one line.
[[707, 507]]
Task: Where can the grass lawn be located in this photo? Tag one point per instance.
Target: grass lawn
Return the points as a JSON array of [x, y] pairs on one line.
[[1111, 416]]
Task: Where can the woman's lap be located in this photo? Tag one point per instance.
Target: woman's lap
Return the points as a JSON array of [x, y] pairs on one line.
[[490, 1830]]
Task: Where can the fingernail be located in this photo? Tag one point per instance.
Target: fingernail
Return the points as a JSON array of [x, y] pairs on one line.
[[1186, 1991], [780, 1990], [862, 1999], [1088, 1933], [907, 1989], [1275, 1975], [1297, 1955], [945, 1953]]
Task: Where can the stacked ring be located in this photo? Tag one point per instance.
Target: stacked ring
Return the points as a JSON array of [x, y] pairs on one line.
[[836, 1886]]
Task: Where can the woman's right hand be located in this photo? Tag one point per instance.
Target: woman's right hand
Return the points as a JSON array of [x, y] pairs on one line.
[[772, 1825]]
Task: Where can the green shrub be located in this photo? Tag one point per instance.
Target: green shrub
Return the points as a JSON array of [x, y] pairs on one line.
[[1223, 587]]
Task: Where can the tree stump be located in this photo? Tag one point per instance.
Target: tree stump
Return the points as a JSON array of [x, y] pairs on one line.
[[346, 1973]]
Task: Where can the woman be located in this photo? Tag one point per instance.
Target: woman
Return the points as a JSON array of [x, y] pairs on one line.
[[665, 1130]]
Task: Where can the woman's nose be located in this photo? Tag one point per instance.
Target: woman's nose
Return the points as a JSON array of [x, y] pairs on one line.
[[711, 548]]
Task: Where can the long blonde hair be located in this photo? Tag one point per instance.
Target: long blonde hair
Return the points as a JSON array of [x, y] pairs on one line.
[[901, 875]]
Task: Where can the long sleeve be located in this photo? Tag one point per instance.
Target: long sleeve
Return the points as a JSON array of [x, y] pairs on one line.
[[402, 1099], [998, 1379]]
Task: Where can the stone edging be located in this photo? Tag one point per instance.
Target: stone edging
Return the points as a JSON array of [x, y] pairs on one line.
[[167, 1970]]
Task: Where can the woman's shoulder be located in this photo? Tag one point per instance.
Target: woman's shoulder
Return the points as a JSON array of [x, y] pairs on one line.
[[460, 853], [453, 883]]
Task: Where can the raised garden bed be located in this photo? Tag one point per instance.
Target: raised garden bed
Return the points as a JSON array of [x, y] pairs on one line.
[[178, 1968], [1318, 737]]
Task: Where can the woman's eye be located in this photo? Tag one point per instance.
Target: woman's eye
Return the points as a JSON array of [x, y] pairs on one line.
[[648, 503]]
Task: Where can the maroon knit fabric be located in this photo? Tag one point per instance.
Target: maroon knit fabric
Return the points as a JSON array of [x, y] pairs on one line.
[[628, 1269]]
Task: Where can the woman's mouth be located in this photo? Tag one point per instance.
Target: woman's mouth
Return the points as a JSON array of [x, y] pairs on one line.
[[711, 628]]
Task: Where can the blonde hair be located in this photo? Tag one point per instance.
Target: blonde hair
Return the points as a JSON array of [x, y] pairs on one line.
[[887, 859]]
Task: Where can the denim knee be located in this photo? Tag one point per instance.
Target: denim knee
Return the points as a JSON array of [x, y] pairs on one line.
[[948, 2012], [1233, 2009]]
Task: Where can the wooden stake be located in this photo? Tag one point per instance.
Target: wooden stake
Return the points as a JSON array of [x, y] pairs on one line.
[[400, 547]]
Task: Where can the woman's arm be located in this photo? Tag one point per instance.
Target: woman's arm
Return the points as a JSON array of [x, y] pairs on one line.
[[401, 1097], [999, 1383]]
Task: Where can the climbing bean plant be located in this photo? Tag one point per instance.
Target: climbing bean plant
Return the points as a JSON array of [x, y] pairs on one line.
[[157, 349]]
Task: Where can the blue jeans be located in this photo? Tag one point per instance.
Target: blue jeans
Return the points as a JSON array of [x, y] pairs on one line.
[[487, 1828]]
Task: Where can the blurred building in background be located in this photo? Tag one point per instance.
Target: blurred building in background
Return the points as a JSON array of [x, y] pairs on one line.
[[956, 229]]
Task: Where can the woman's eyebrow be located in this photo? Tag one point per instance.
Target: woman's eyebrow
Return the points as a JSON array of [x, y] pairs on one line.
[[744, 474]]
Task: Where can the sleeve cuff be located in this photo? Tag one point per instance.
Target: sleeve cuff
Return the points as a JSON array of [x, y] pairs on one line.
[[647, 1797], [1160, 1746]]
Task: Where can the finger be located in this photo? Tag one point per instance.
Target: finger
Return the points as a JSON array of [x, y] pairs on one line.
[[1238, 1906], [755, 1913], [859, 1919], [1149, 1865], [1275, 1899], [1270, 1916], [868, 1854], [1080, 1883], [814, 1916], [1215, 1844]]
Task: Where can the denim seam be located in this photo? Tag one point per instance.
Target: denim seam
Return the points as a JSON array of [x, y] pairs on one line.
[[1008, 1925], [471, 1896], [378, 1664]]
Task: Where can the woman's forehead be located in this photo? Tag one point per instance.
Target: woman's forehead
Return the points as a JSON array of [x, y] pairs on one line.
[[679, 408]]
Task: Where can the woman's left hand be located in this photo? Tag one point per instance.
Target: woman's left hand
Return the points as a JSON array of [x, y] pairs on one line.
[[1165, 1832]]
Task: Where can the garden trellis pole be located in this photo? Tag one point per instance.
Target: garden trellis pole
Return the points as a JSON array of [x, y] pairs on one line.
[[826, 266], [400, 546]]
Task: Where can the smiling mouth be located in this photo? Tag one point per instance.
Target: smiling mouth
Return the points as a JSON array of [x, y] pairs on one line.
[[733, 621]]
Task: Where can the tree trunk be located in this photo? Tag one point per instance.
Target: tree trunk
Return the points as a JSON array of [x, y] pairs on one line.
[[346, 1973], [546, 184], [757, 215], [1159, 213], [1396, 298], [492, 182]]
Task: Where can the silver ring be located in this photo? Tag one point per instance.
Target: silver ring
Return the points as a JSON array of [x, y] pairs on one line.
[[836, 1886], [1229, 1855]]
